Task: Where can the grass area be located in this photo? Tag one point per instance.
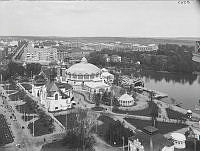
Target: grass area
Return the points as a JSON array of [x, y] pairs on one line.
[[59, 146], [163, 127], [175, 114], [71, 119], [27, 86], [41, 127], [6, 136], [27, 118], [112, 131], [143, 112], [27, 108], [10, 91], [17, 96], [98, 108], [10, 87]]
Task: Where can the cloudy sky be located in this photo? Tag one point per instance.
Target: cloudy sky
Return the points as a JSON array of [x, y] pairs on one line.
[[87, 18]]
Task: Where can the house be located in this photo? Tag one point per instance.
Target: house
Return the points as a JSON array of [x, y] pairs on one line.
[[149, 140], [53, 95], [116, 58]]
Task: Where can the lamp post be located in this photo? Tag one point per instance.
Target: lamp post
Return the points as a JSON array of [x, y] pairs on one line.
[[123, 142]]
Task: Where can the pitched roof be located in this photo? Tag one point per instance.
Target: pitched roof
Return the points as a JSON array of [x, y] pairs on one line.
[[158, 140], [51, 86]]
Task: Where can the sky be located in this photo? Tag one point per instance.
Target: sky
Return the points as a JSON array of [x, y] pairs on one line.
[[99, 19]]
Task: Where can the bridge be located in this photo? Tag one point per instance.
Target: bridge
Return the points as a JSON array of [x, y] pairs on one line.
[[196, 54]]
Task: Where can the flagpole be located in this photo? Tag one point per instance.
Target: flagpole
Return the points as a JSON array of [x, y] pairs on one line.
[[33, 124]]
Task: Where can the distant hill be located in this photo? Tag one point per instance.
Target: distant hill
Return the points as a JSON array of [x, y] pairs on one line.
[[140, 40]]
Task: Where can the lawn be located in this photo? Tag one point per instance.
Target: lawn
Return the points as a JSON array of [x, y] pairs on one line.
[[10, 87], [42, 126], [27, 86], [27, 118], [163, 127], [19, 95], [175, 115], [27, 108], [6, 136], [112, 131], [30, 107], [10, 91], [72, 121], [98, 108], [143, 112]]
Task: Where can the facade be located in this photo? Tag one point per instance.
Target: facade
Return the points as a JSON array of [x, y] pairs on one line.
[[115, 58], [96, 86], [194, 131], [82, 72], [54, 96], [106, 76], [62, 54], [126, 100], [39, 54], [178, 140], [86, 76], [143, 48]]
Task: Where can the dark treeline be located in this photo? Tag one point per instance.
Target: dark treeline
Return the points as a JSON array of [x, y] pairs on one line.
[[167, 76], [168, 57], [14, 70]]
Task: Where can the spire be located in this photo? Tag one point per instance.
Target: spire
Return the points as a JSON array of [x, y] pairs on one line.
[[83, 60]]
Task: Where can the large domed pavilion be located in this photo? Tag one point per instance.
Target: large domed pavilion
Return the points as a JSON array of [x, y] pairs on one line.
[[82, 72]]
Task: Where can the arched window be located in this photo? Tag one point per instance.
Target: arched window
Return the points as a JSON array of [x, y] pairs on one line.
[[56, 96]]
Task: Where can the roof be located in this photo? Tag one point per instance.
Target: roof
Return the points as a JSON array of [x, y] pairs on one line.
[[96, 85], [51, 86], [126, 97], [104, 70], [178, 136], [150, 129], [63, 85], [158, 140], [107, 74], [83, 68]]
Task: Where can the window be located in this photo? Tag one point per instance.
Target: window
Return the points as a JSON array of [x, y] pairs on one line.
[[56, 96]]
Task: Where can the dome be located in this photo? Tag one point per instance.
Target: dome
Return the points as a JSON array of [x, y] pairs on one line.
[[126, 97], [83, 68]]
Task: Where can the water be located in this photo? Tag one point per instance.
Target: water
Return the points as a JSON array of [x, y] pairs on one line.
[[183, 88]]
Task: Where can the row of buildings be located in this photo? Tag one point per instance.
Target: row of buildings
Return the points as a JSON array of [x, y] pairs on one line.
[[40, 54]]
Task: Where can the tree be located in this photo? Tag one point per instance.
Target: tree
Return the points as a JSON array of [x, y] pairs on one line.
[[154, 112], [97, 99], [33, 69]]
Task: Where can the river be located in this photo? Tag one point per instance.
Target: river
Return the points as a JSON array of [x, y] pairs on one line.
[[182, 88]]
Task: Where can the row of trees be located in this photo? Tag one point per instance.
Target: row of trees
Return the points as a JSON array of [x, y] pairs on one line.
[[169, 57], [172, 58]]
